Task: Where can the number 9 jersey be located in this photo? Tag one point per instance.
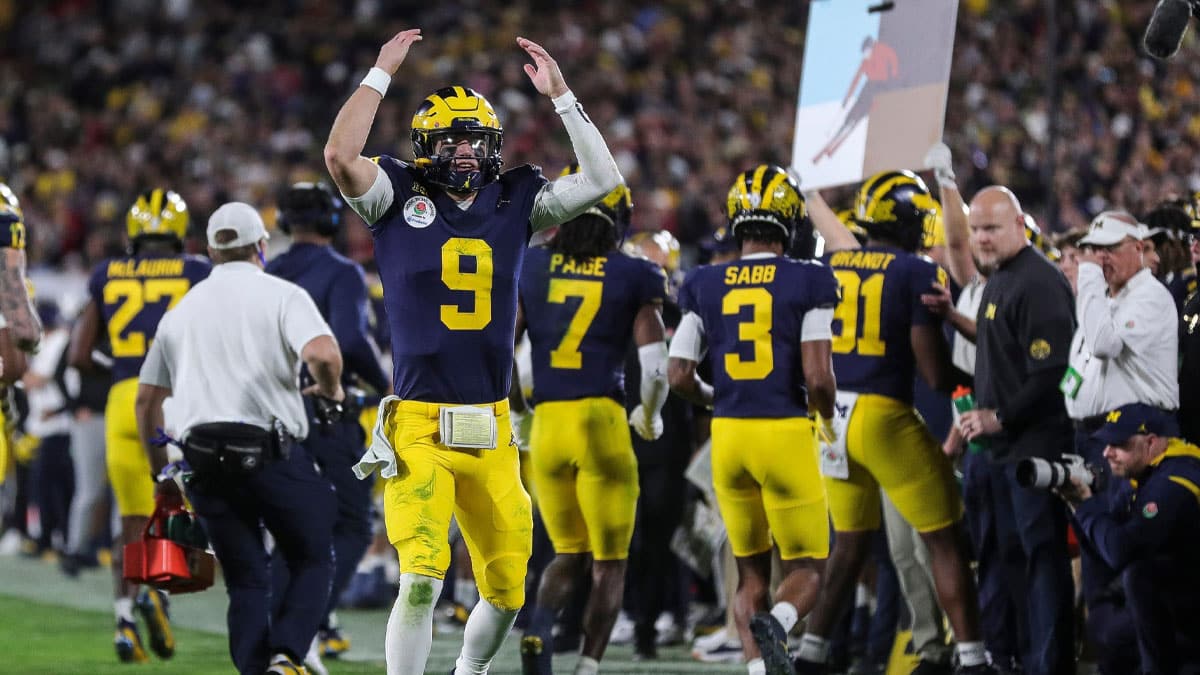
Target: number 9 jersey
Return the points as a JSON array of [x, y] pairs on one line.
[[450, 283], [752, 311]]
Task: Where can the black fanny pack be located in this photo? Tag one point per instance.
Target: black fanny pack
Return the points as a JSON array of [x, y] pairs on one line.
[[230, 448]]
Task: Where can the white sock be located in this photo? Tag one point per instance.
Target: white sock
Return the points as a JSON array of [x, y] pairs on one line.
[[123, 608], [813, 648], [756, 667], [409, 634], [971, 654], [587, 666], [786, 614], [482, 638]]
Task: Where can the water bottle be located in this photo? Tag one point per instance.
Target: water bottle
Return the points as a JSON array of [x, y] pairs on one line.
[[964, 400]]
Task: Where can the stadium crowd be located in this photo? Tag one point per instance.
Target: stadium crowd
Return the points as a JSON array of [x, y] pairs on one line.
[[223, 105]]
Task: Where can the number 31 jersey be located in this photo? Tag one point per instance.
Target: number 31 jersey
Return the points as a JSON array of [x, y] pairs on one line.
[[753, 313], [881, 302], [133, 294]]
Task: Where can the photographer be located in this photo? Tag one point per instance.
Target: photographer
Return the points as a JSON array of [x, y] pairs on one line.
[[1152, 540]]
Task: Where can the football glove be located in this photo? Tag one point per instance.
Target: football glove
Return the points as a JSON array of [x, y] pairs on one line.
[[647, 424], [941, 161]]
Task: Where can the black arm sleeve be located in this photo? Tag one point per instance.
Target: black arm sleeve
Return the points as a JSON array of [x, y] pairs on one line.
[[1038, 394]]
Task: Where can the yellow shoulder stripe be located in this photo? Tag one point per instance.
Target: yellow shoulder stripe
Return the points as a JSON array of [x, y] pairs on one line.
[[1189, 485]]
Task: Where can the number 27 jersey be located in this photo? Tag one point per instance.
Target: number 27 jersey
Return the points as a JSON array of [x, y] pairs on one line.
[[133, 294], [753, 314]]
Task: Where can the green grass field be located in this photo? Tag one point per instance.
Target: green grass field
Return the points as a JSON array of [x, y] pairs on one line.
[[52, 625]]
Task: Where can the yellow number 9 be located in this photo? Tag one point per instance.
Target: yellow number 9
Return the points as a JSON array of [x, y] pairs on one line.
[[478, 282], [756, 331]]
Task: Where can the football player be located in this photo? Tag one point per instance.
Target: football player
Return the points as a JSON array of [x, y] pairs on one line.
[[20, 330], [450, 235], [128, 297], [765, 320], [882, 334], [582, 301]]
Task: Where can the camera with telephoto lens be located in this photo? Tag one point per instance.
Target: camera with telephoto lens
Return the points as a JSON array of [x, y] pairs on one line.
[[1048, 474]]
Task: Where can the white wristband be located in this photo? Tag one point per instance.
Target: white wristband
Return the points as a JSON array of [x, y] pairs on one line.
[[377, 79], [565, 103]]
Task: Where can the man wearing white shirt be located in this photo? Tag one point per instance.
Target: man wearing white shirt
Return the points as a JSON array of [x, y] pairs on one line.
[[1125, 350]]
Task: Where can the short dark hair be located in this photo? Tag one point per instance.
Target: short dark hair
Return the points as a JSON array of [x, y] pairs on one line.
[[237, 254], [586, 236]]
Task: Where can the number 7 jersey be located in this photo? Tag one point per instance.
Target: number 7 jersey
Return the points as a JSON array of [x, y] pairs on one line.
[[580, 317], [133, 294], [753, 313]]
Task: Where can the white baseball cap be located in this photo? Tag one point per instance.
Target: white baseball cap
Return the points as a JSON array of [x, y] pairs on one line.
[[238, 217], [1111, 227]]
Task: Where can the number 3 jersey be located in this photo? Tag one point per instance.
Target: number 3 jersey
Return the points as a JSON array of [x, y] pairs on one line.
[[450, 283], [881, 302], [753, 313], [580, 316], [133, 294]]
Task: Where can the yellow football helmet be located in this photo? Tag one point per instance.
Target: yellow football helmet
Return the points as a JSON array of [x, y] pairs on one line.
[[896, 206], [446, 119], [765, 194], [659, 246], [157, 213], [935, 229], [616, 208], [1034, 234]]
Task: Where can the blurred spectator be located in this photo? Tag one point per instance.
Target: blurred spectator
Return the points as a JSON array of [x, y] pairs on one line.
[[223, 103], [53, 475]]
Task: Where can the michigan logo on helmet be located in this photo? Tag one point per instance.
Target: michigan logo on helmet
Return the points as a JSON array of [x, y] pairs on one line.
[[895, 206], [616, 208], [456, 139], [157, 213], [766, 194], [12, 218]]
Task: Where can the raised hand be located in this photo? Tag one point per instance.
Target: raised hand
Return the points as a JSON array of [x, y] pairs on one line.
[[544, 72], [394, 51]]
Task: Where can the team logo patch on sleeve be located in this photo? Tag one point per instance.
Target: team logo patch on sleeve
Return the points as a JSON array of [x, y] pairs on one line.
[[1150, 510], [1039, 349], [419, 211]]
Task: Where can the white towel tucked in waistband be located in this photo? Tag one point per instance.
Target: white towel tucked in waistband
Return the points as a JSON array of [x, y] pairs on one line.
[[380, 455]]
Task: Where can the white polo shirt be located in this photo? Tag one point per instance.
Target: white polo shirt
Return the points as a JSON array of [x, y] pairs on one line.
[[1126, 347], [230, 350]]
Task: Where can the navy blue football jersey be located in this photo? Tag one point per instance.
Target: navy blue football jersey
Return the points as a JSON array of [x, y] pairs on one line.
[[753, 312], [133, 294], [450, 283], [580, 317], [339, 288], [881, 301]]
